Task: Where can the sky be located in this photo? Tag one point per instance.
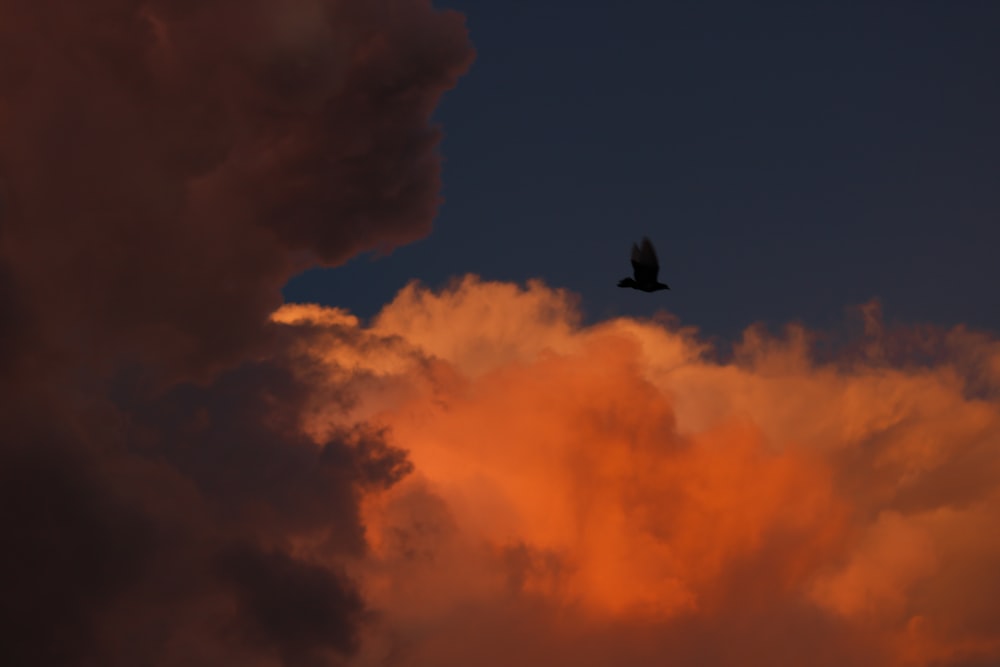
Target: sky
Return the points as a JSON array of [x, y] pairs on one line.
[[787, 161], [311, 353]]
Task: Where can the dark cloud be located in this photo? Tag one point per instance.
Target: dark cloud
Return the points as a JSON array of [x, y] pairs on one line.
[[137, 516], [165, 167], [301, 609], [71, 545]]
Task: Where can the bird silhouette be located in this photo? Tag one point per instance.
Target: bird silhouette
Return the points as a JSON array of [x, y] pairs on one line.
[[645, 268]]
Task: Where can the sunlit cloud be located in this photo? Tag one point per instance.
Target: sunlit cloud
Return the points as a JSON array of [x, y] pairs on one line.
[[193, 474], [624, 480]]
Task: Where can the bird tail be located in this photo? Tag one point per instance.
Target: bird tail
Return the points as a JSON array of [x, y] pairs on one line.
[[626, 282]]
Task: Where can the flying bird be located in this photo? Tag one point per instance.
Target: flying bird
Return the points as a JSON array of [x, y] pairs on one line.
[[645, 267]]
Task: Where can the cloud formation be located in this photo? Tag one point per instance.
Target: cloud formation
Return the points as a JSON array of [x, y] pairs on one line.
[[621, 494], [474, 477], [165, 167]]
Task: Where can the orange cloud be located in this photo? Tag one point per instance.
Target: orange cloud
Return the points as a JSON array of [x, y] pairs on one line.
[[616, 494]]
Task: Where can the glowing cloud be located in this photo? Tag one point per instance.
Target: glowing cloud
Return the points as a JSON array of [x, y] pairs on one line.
[[189, 476], [616, 494]]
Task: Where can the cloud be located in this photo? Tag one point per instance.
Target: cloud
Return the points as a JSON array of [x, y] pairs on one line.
[[189, 476], [165, 167], [623, 494]]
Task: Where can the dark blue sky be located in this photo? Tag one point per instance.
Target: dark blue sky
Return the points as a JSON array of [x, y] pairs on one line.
[[786, 160]]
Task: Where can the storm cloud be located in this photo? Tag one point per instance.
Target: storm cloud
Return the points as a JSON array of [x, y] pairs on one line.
[[165, 167]]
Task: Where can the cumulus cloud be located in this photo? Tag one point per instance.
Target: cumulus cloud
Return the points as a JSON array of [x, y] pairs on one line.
[[193, 474], [165, 167], [623, 494]]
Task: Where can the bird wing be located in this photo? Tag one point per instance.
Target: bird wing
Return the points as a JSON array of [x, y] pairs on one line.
[[644, 263]]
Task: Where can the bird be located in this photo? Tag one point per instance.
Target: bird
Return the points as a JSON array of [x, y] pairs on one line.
[[645, 267]]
